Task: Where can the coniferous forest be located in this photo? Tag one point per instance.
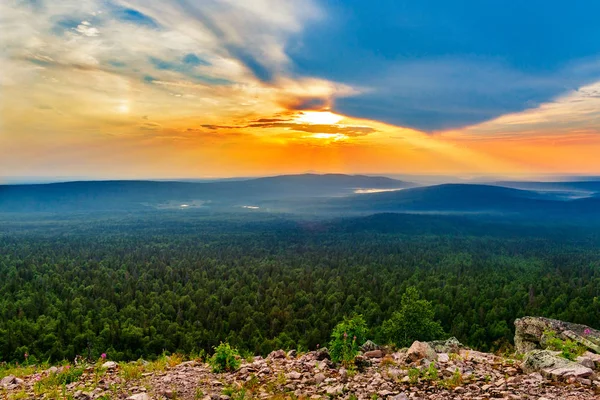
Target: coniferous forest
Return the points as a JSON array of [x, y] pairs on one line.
[[136, 285]]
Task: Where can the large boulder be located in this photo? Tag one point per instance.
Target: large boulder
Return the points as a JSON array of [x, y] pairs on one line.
[[420, 350], [549, 364], [530, 333]]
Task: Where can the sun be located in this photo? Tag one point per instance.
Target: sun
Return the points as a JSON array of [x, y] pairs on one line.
[[318, 118]]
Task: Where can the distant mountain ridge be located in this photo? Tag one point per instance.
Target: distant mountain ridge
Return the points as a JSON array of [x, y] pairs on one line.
[[142, 195], [333, 194]]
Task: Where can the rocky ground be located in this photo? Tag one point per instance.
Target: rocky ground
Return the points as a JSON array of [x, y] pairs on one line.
[[410, 374]]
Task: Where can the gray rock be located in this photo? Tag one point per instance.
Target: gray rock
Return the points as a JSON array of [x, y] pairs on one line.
[[553, 366], [451, 345], [529, 333], [400, 396], [7, 380], [369, 346]]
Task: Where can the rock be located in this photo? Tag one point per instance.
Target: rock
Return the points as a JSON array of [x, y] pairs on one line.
[[79, 395], [529, 333], [369, 346], [319, 378], [552, 366], [168, 393], [451, 345], [586, 362], [334, 390], [277, 354], [419, 351], [322, 354], [400, 396], [7, 380], [343, 374], [443, 357], [373, 354], [361, 362], [139, 396], [110, 365], [294, 375]]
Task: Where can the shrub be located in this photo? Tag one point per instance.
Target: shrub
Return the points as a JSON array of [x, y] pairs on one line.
[[345, 339], [568, 348], [226, 358]]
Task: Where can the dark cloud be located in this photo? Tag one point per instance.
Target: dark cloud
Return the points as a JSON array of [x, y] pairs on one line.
[[271, 123], [215, 127], [305, 103], [347, 130]]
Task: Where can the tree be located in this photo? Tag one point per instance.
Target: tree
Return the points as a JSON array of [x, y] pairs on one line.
[[414, 321]]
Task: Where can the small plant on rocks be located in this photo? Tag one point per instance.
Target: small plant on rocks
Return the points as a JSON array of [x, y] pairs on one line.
[[568, 349], [226, 358], [432, 373], [413, 375], [345, 339]]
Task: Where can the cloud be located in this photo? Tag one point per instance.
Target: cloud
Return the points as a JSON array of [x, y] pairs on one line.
[[134, 16], [576, 112]]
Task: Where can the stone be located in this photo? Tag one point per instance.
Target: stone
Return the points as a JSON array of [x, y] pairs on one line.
[[343, 374], [369, 346], [550, 365], [139, 396], [7, 380], [451, 345], [586, 362], [295, 375], [443, 357], [319, 378], [334, 390], [529, 333], [419, 351], [361, 362], [322, 354], [110, 365], [373, 354], [277, 354], [400, 396]]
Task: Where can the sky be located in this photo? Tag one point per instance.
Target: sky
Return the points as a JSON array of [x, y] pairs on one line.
[[139, 89]]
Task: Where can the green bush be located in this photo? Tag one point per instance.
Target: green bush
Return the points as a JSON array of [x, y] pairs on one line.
[[345, 339], [226, 358], [568, 348]]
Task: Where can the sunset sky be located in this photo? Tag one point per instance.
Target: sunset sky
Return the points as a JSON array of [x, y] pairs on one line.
[[218, 88]]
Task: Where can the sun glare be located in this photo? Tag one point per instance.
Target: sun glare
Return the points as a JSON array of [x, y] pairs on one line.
[[318, 118], [329, 136]]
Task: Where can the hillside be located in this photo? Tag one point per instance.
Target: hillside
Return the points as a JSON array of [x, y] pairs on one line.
[[436, 370], [152, 195]]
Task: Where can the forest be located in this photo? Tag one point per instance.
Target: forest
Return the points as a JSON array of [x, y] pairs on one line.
[[137, 285]]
